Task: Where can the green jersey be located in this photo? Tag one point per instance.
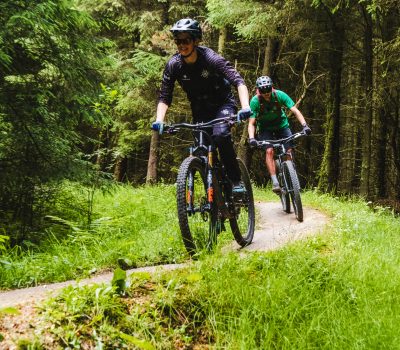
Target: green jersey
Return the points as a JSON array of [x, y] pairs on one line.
[[270, 116]]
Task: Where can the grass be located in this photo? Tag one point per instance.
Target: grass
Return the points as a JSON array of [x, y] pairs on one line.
[[340, 290], [137, 225], [134, 225]]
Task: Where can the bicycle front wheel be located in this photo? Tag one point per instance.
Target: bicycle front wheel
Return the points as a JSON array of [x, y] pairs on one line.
[[243, 220], [197, 218], [293, 188], [284, 195]]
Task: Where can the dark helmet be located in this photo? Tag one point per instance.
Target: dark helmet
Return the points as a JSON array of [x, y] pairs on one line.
[[264, 83], [187, 25]]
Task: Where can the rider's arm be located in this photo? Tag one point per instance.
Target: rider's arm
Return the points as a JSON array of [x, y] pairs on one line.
[[243, 96], [167, 85], [224, 67], [161, 111], [298, 115], [255, 108], [166, 90], [285, 100], [252, 128]]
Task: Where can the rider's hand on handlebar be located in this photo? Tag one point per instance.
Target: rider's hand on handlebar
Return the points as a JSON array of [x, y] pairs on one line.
[[306, 129], [253, 142], [158, 126], [244, 114]]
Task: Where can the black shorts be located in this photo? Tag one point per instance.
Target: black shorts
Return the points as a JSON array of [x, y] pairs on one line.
[[275, 135], [208, 113]]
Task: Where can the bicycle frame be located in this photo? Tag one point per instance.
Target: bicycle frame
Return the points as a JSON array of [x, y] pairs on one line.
[[204, 148], [280, 154], [286, 173]]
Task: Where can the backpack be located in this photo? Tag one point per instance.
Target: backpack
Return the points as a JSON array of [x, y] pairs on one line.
[[261, 101]]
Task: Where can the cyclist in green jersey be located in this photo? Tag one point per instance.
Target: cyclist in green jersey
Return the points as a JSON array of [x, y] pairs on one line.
[[270, 121]]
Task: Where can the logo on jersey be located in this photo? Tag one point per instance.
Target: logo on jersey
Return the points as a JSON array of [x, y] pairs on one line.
[[185, 77], [225, 112], [205, 73]]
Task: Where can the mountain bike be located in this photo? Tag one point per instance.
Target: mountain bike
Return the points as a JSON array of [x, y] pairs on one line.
[[286, 174], [204, 193]]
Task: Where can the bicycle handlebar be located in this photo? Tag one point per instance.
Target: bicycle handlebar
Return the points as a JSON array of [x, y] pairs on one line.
[[171, 128], [281, 141]]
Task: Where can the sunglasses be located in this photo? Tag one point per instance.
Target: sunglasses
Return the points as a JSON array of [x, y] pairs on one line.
[[265, 89], [184, 41]]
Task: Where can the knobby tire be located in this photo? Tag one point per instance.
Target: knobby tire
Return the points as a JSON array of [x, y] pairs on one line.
[[243, 222], [284, 195], [294, 188], [198, 229]]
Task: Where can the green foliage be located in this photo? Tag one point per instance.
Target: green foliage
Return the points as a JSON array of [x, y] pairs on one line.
[[133, 104], [334, 291], [94, 306], [3, 243], [119, 281], [252, 20], [9, 311], [135, 226], [48, 87]]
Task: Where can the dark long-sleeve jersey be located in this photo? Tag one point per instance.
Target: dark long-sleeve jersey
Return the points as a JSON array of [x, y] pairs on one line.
[[207, 82]]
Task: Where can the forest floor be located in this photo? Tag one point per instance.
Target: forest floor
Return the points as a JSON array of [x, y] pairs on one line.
[[275, 228]]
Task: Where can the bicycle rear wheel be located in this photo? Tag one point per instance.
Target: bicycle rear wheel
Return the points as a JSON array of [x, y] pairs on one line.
[[197, 219], [243, 222], [284, 195], [294, 188]]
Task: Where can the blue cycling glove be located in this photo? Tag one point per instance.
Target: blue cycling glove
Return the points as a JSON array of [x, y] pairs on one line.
[[244, 114], [158, 126]]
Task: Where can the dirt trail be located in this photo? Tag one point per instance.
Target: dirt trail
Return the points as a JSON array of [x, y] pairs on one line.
[[274, 229]]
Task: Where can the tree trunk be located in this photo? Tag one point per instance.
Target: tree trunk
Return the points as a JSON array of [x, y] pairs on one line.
[[120, 168], [389, 128], [244, 153], [151, 177], [381, 153], [268, 57], [367, 124], [395, 147], [349, 134], [328, 174], [165, 11], [223, 33]]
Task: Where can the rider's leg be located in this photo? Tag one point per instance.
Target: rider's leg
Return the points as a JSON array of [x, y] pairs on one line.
[[269, 159], [222, 138], [228, 156], [270, 163]]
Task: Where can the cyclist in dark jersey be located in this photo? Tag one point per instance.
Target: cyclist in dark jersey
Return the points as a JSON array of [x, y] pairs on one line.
[[206, 77]]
